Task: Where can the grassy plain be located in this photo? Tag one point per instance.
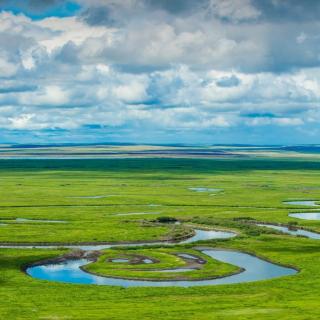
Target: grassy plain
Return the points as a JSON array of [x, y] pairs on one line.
[[166, 258], [252, 188]]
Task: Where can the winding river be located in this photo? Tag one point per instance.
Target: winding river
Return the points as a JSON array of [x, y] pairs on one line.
[[252, 268], [199, 235]]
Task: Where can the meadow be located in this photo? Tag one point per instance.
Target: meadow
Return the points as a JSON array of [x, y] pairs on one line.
[[119, 200]]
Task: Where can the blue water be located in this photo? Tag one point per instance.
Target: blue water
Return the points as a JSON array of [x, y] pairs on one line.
[[202, 189], [254, 269], [297, 232], [39, 220], [71, 272], [306, 215], [310, 203], [209, 234], [147, 261], [199, 235], [187, 256], [120, 260]]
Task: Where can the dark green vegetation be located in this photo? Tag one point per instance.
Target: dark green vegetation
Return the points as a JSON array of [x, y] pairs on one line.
[[252, 189], [151, 151]]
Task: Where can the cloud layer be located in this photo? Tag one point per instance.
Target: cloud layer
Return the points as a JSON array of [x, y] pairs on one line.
[[209, 71]]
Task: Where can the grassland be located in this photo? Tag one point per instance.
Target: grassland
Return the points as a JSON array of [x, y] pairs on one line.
[[165, 258], [252, 188]]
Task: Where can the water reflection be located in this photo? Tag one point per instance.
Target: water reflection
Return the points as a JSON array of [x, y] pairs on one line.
[[254, 269], [295, 232], [306, 215], [310, 203]]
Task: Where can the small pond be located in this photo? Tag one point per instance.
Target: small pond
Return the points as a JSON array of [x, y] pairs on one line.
[[120, 260], [306, 215], [203, 189], [147, 261], [187, 256], [310, 203], [209, 234]]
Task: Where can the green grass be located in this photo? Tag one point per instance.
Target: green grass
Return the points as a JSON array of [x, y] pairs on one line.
[[253, 188], [166, 259]]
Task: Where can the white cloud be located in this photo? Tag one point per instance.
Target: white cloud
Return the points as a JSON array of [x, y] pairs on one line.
[[50, 95], [266, 121], [235, 10], [133, 92], [68, 29], [22, 122], [160, 71], [7, 69]]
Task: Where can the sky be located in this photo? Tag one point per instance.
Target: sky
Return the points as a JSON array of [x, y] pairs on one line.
[[160, 71]]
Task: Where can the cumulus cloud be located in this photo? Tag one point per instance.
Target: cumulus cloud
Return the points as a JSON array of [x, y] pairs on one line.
[[234, 10], [160, 66], [231, 81], [220, 34]]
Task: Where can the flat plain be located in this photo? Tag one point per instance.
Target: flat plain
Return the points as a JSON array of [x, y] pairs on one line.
[[74, 201]]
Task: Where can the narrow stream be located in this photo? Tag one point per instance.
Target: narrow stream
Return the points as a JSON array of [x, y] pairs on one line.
[[295, 232], [310, 203], [198, 236], [202, 189], [306, 215], [39, 220]]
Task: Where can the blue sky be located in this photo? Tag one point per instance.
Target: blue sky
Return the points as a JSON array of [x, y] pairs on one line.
[[41, 9], [160, 71]]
